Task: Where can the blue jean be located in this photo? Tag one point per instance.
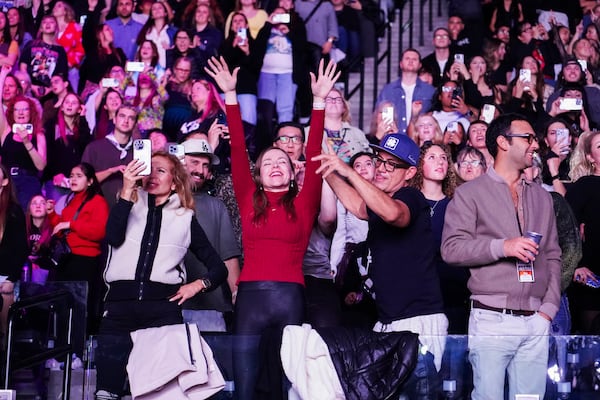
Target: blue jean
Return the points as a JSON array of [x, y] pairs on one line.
[[247, 104], [501, 343], [561, 324], [348, 42], [281, 90]]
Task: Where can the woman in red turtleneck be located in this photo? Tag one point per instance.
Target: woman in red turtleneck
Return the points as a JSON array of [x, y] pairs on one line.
[[85, 233], [276, 218]]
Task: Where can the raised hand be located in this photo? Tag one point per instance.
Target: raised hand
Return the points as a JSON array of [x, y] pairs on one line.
[[322, 84], [131, 174], [219, 71], [5, 70]]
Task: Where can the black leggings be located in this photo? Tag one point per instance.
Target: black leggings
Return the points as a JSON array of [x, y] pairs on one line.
[[267, 304], [263, 307]]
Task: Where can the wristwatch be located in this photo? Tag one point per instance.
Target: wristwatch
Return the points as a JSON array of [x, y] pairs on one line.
[[207, 284]]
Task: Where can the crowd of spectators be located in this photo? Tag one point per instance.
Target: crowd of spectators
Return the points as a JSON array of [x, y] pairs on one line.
[[536, 59], [81, 80]]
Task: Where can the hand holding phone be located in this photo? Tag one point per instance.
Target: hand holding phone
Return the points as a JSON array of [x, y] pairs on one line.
[[525, 77], [281, 18], [109, 83], [593, 282], [456, 93], [562, 138], [488, 112], [142, 151], [134, 66], [387, 115], [242, 35], [16, 128], [571, 104]]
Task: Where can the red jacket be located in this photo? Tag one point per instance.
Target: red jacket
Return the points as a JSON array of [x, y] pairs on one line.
[[88, 230]]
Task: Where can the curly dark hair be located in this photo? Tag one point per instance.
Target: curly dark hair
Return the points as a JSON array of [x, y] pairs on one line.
[[449, 182]]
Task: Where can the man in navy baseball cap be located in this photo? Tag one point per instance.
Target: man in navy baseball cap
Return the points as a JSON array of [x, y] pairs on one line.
[[403, 270]]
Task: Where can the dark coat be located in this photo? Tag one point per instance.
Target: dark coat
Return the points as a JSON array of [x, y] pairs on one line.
[[371, 365]]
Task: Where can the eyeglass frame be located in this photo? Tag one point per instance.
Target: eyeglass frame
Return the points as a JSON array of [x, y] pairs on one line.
[[531, 137], [394, 165], [287, 139], [471, 163], [334, 100]]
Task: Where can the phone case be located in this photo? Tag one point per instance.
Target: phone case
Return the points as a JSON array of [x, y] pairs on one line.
[[142, 150]]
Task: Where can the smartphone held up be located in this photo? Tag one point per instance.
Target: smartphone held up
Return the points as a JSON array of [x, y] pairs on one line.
[[142, 151]]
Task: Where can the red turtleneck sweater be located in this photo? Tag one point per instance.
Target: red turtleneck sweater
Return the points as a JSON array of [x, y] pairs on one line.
[[274, 250]]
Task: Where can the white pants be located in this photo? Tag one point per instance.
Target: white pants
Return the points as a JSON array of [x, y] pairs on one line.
[[500, 343]]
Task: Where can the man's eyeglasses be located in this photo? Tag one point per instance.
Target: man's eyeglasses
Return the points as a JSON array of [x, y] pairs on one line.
[[472, 163], [389, 165], [334, 100], [531, 137], [288, 139]]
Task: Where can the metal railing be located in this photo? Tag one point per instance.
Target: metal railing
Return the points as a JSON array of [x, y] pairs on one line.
[[51, 302], [385, 50], [385, 56]]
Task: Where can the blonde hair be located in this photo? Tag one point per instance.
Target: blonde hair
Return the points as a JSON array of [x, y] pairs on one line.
[[580, 165], [346, 117], [438, 137], [181, 179]]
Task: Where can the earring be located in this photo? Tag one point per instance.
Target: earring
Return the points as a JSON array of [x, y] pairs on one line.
[[292, 184], [261, 188]]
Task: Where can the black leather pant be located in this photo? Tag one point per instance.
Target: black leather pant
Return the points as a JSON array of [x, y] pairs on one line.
[[260, 307]]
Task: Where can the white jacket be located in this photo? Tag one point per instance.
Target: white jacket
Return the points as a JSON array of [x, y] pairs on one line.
[[163, 366], [308, 365]]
